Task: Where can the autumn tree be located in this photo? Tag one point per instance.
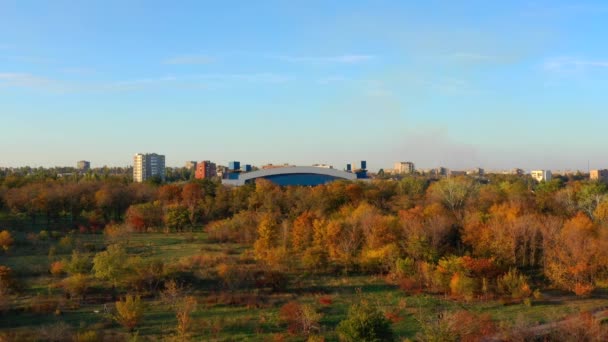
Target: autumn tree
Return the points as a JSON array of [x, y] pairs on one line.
[[577, 256], [129, 312], [192, 195], [141, 217], [453, 193], [6, 240], [303, 231]]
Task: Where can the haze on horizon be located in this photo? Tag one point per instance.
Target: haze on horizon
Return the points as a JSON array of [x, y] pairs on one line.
[[490, 84]]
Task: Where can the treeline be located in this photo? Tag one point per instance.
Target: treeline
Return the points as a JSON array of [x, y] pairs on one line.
[[458, 236]]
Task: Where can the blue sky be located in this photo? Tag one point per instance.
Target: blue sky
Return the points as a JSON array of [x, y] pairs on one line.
[[478, 83]]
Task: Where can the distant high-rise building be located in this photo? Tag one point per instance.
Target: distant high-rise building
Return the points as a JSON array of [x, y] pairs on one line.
[[83, 165], [147, 165], [541, 175], [476, 172], [599, 175], [234, 166], [205, 169], [190, 165], [404, 167]]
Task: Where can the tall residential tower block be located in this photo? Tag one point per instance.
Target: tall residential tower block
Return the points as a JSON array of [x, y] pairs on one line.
[[148, 165]]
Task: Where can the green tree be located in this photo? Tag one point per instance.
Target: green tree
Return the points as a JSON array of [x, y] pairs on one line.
[[177, 217], [111, 264], [365, 323], [78, 264]]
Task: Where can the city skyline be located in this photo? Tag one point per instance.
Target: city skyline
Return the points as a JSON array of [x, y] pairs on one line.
[[494, 85]]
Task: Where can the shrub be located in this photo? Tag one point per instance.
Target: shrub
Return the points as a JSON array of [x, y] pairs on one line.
[[76, 285], [325, 300], [78, 264], [235, 276], [115, 231], [458, 326], [43, 304], [302, 319], [184, 316], [57, 268], [583, 289], [6, 240], [66, 244], [582, 327], [404, 267], [43, 235], [55, 332], [462, 286], [88, 336], [172, 293], [315, 259], [514, 284], [7, 282], [129, 312], [365, 322]]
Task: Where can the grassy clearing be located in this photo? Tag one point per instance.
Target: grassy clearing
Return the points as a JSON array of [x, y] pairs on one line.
[[217, 319]]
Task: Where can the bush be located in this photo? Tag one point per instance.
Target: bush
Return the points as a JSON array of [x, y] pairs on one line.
[[76, 285], [6, 240], [365, 322], [300, 319], [462, 286], [184, 316], [315, 259], [514, 284], [55, 332], [404, 267], [458, 326], [79, 264], [129, 312], [88, 336], [57, 268], [583, 289]]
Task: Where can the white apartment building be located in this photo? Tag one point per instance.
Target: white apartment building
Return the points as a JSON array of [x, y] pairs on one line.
[[147, 165], [541, 175], [404, 167]]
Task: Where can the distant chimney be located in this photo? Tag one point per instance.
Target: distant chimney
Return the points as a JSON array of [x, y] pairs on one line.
[[348, 168], [363, 165]]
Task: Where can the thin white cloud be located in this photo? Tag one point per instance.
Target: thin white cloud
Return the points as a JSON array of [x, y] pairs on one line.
[[189, 59], [78, 71], [202, 81], [252, 77], [570, 64], [341, 59], [332, 79], [14, 79], [469, 56]]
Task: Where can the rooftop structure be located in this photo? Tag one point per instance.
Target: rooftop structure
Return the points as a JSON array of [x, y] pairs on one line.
[[294, 175]]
